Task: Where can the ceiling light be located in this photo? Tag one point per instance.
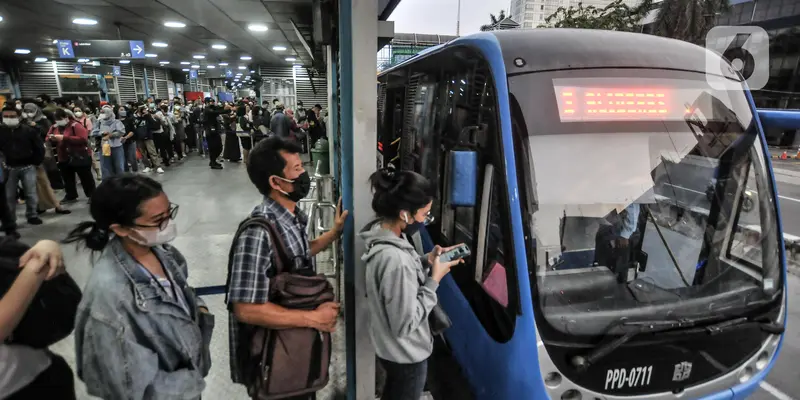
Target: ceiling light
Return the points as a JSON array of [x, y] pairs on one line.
[[239, 74], [279, 48], [252, 71], [40, 59], [210, 66], [55, 41], [195, 66], [242, 67], [160, 44], [174, 24], [223, 64], [245, 58], [185, 63], [198, 56], [84, 21], [257, 27], [124, 61], [22, 51], [185, 70], [151, 55], [236, 80], [219, 47], [83, 60], [290, 59], [1, 18], [163, 62]]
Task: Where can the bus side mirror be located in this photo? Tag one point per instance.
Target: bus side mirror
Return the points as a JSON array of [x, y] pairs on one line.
[[779, 119], [463, 179]]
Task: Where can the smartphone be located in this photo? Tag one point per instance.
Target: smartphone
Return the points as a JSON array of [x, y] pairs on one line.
[[455, 254]]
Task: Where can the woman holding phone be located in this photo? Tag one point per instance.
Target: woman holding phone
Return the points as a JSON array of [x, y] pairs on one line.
[[401, 284]]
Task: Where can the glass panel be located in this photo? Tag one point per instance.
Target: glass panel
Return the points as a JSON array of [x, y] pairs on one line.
[[71, 84]]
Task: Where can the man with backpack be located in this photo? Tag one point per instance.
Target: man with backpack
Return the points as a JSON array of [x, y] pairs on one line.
[[143, 125], [23, 148], [270, 255]]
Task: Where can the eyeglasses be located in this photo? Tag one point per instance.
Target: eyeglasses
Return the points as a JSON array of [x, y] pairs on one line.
[[164, 222], [428, 219]]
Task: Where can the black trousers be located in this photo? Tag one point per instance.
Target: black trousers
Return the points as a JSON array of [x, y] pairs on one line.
[[404, 381], [5, 211], [164, 147], [214, 148], [178, 146], [84, 174], [56, 382]]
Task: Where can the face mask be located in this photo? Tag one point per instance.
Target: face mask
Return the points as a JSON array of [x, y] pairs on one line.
[[412, 226], [12, 122], [152, 105], [62, 122], [302, 185], [30, 115], [155, 237], [123, 113], [177, 107], [78, 114], [19, 106]]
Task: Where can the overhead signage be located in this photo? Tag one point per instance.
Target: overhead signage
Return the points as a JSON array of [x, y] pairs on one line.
[[193, 74], [228, 73], [99, 69], [101, 49], [78, 69], [116, 70]]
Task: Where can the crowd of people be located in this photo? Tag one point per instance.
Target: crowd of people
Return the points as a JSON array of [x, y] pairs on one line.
[[140, 330], [52, 144]]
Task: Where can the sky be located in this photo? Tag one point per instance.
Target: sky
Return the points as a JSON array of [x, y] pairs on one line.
[[440, 16]]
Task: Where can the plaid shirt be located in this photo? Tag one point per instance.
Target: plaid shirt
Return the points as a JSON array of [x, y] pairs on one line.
[[252, 262]]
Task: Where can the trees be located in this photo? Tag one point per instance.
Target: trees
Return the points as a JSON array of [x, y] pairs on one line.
[[688, 20], [501, 16], [617, 16]]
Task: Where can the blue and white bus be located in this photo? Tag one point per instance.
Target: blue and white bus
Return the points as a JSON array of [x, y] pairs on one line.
[[575, 164]]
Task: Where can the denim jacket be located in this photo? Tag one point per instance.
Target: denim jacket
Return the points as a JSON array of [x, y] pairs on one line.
[[132, 341]]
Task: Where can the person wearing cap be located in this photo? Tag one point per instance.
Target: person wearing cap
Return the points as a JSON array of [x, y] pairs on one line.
[[110, 130]]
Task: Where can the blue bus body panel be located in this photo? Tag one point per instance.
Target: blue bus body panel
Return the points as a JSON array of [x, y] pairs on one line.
[[782, 119]]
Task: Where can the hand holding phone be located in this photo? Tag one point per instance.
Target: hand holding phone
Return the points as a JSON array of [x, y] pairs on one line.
[[455, 253]]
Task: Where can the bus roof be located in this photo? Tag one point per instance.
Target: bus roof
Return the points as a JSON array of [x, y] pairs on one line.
[[546, 49]]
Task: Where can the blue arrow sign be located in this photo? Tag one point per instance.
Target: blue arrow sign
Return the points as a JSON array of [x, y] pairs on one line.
[[65, 49], [78, 69], [193, 74], [228, 73], [116, 70], [137, 49]]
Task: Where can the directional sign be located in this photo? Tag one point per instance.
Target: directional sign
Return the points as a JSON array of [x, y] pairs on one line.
[[78, 69], [193, 74], [228, 73], [116, 70], [137, 48], [65, 49], [101, 49]]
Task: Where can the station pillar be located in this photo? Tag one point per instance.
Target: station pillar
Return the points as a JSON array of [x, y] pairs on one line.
[[358, 35]]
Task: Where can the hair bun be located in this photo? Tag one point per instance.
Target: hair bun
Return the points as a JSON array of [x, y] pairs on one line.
[[97, 238]]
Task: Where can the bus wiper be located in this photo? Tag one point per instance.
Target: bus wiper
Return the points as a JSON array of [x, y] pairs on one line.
[[601, 351]]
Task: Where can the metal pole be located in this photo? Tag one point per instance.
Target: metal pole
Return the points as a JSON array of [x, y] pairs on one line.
[[458, 20]]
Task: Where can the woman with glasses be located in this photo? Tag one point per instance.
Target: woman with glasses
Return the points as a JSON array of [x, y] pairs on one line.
[[401, 284], [141, 332]]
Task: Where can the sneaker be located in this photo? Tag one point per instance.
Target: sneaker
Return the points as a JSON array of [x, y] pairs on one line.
[[217, 166], [35, 221], [63, 211], [160, 170], [146, 170]]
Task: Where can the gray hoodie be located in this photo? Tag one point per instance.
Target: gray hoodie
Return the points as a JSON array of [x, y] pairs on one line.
[[400, 295]]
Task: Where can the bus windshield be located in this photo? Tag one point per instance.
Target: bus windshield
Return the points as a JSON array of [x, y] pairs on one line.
[[648, 198]]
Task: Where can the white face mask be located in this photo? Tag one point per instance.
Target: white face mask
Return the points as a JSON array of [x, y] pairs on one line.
[[19, 106], [30, 115], [62, 122], [78, 114], [12, 122], [155, 237]]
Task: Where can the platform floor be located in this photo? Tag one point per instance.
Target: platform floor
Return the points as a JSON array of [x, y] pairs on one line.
[[212, 203]]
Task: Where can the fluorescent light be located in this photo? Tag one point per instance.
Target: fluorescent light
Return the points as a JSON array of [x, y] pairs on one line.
[[160, 44], [223, 64], [210, 66], [22, 51], [242, 67], [185, 70], [219, 47], [239, 74], [195, 66], [174, 24], [40, 59], [84, 21], [198, 56], [83, 60], [185, 63], [95, 63], [1, 18], [252, 71], [236, 80], [257, 27], [151, 55], [279, 48], [290, 59], [124, 61], [245, 58], [55, 41], [163, 62]]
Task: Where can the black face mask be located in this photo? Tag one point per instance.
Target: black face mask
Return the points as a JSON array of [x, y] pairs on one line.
[[302, 185], [413, 228]]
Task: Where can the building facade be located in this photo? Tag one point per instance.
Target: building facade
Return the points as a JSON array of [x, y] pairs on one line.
[[532, 13]]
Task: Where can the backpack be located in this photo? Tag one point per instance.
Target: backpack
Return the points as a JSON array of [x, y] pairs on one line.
[[281, 363], [142, 130], [51, 315], [20, 148]]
